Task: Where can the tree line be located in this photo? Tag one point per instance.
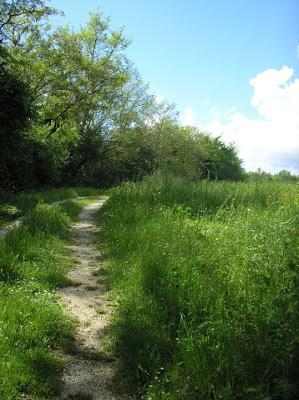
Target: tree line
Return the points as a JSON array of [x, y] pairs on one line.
[[75, 111]]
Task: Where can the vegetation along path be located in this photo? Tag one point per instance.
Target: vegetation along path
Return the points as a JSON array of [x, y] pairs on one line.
[[87, 374]]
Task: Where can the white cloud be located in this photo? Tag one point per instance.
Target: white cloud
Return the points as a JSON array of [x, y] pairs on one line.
[[159, 98], [187, 117], [270, 141], [273, 96]]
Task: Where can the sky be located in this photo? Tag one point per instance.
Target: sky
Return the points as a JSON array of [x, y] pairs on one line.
[[230, 66]]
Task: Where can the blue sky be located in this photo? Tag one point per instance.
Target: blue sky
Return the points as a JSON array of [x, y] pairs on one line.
[[202, 55]]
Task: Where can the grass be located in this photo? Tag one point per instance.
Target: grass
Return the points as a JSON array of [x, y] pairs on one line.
[[100, 311], [34, 330], [100, 272], [13, 206], [207, 283]]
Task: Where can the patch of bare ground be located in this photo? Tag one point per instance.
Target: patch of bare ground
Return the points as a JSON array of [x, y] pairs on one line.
[[88, 374]]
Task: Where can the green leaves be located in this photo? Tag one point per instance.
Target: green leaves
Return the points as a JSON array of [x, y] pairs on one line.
[[95, 121], [21, 19]]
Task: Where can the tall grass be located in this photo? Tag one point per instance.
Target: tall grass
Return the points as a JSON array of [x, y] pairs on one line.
[[14, 205], [207, 281], [33, 329]]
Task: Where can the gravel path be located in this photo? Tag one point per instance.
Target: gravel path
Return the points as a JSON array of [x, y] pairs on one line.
[[87, 374]]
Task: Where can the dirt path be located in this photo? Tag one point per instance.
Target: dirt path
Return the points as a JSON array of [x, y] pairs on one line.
[[87, 375], [5, 229]]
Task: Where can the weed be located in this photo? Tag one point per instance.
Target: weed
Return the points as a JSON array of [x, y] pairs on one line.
[[100, 272], [206, 277], [100, 311], [15, 205], [33, 261]]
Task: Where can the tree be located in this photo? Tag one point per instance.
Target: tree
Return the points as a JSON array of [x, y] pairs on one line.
[[285, 176], [16, 150], [19, 19], [215, 159], [76, 79], [95, 121]]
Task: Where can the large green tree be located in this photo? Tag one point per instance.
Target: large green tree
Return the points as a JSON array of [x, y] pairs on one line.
[[95, 121], [83, 87]]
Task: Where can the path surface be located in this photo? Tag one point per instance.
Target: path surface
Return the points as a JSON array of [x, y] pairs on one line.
[[87, 375], [8, 227]]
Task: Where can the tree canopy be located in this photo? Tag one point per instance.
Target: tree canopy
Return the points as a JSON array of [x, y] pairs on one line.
[[75, 109]]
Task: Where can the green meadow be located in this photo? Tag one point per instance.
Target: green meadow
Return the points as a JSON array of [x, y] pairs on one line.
[[203, 276], [14, 205], [193, 291], [205, 279], [33, 327]]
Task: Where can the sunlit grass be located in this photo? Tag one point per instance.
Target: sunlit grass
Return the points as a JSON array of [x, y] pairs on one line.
[[33, 330], [207, 281], [14, 205]]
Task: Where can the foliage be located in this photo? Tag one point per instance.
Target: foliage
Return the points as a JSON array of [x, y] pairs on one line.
[[215, 159], [78, 85], [16, 151], [262, 176], [20, 18], [206, 278], [285, 176], [170, 148], [95, 122]]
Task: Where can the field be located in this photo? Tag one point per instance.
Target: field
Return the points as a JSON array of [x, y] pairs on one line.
[[203, 277], [151, 262], [15, 205], [33, 262], [206, 282]]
